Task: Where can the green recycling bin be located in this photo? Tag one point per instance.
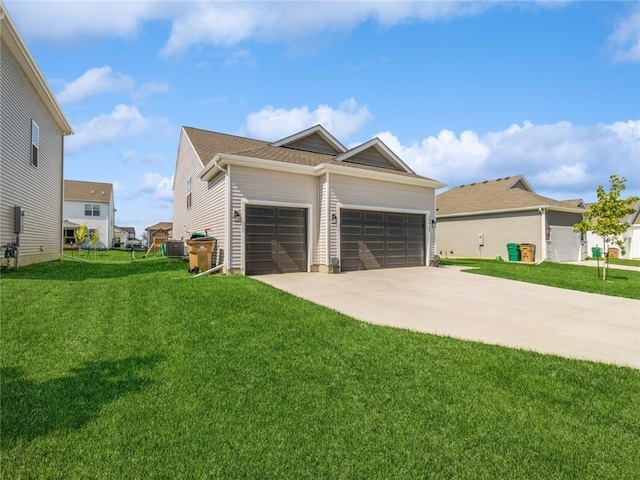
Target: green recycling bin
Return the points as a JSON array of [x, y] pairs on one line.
[[596, 252], [513, 251]]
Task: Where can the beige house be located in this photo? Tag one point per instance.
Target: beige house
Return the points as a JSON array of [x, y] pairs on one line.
[[302, 203], [121, 235], [91, 203], [32, 129], [479, 220], [160, 230]]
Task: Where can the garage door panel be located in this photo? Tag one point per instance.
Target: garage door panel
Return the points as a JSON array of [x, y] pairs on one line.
[[373, 217], [564, 244], [276, 240], [371, 240], [375, 230], [396, 232]]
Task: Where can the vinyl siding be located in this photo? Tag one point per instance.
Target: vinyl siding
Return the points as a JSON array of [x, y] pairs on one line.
[[563, 218], [207, 212], [372, 157], [314, 143], [356, 192], [321, 257], [74, 212], [37, 189], [270, 187], [458, 237]]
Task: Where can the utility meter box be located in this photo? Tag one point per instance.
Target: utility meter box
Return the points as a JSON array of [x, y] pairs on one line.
[[18, 220]]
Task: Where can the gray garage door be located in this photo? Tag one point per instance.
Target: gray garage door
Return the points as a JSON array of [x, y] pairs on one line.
[[275, 240], [381, 240]]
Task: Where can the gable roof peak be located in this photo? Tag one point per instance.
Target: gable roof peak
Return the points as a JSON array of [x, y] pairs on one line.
[[315, 130], [382, 148]]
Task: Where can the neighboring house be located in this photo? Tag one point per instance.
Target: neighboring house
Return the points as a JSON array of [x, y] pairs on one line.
[[631, 237], [32, 130], [480, 219], [122, 235], [161, 228], [296, 204], [91, 203]]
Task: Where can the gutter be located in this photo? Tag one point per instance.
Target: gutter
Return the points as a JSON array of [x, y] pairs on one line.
[[221, 160], [511, 210]]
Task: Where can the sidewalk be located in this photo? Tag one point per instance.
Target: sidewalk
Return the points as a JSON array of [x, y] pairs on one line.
[[594, 263]]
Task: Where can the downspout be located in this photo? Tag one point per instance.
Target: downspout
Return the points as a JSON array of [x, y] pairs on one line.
[[543, 229], [327, 221], [226, 222], [227, 213]]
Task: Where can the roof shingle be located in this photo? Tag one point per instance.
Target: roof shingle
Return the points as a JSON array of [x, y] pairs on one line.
[[494, 195]]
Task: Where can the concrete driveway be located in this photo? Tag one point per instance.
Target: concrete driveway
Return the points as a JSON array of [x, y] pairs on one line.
[[445, 301]]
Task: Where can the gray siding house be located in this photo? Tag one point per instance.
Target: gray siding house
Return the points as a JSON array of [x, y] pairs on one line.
[[32, 129], [298, 204], [479, 220]]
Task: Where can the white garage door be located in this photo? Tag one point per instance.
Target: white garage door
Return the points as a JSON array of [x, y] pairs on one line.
[[565, 244]]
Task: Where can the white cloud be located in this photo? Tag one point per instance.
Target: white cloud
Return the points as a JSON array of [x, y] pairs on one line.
[[96, 81], [157, 186], [624, 42], [558, 157], [229, 23], [125, 121], [93, 82], [275, 123], [151, 88], [68, 20]]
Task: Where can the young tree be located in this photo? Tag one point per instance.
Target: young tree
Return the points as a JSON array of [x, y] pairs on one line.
[[81, 235], [94, 239], [607, 218]]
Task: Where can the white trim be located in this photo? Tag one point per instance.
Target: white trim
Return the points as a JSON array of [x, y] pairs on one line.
[[210, 171], [223, 160], [543, 233], [382, 176], [427, 227], [378, 145], [512, 210], [269, 203], [327, 251], [520, 178], [427, 239], [383, 209], [19, 50], [320, 130], [227, 219]]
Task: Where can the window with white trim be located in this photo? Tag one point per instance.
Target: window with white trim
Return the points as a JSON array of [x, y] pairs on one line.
[[35, 143], [188, 193], [91, 210]]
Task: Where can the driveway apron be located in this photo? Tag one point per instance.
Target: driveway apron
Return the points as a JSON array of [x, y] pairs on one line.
[[445, 301]]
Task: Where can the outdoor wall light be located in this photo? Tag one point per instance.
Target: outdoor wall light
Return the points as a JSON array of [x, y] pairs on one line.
[[236, 216], [334, 219], [433, 224]]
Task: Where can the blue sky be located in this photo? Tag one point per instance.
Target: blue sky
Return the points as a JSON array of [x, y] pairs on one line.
[[462, 92]]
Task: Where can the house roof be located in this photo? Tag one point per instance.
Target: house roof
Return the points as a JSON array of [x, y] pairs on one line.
[[508, 193], [87, 191], [210, 144], [318, 130], [12, 38], [131, 230], [161, 226]]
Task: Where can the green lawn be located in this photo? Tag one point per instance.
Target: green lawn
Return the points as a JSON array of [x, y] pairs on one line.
[[619, 283], [137, 370]]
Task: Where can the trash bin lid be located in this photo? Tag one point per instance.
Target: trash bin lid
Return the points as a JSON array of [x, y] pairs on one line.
[[203, 239]]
